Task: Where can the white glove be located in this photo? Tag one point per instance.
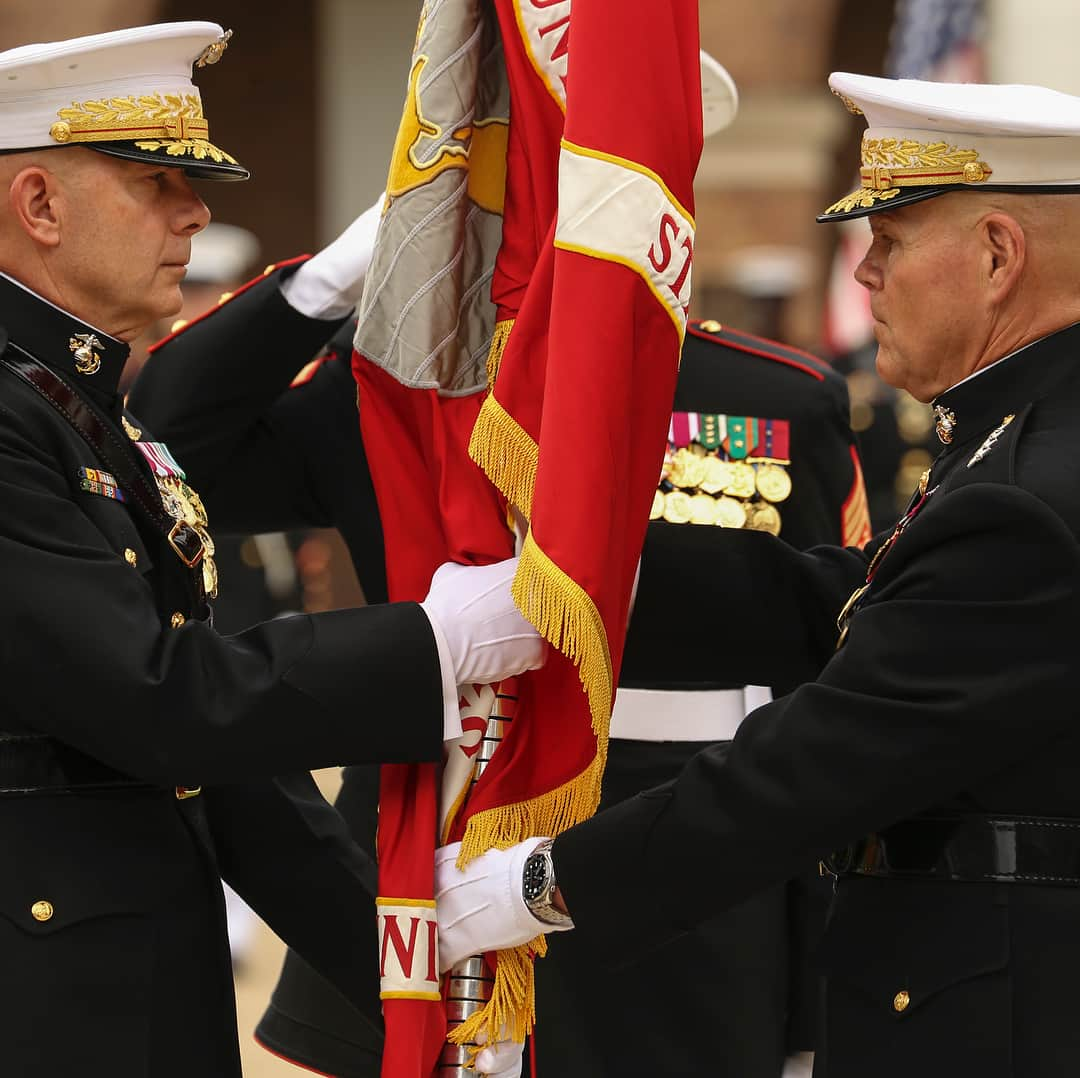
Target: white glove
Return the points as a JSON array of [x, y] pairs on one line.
[[486, 636], [480, 908], [329, 284], [501, 1060]]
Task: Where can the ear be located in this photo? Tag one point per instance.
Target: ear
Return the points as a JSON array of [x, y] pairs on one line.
[[33, 197], [1005, 250]]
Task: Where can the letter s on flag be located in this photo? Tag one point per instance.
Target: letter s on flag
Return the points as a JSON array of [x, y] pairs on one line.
[[619, 211]]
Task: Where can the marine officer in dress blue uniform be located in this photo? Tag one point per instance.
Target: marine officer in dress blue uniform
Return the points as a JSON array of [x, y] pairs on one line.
[[138, 745], [933, 760]]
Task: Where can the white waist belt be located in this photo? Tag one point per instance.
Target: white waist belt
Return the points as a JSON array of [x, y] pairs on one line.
[[658, 715]]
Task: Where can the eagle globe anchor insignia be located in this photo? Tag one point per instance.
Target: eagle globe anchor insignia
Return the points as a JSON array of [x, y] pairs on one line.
[[944, 423], [82, 346]]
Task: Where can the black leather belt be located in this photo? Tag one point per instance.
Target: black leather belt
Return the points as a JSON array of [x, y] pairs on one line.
[[972, 848], [33, 764]]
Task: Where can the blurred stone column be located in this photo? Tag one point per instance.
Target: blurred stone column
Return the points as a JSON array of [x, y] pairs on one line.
[[365, 52], [1034, 41]]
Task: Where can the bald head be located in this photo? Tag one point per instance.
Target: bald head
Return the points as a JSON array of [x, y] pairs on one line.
[[103, 237], [56, 162], [1051, 227]]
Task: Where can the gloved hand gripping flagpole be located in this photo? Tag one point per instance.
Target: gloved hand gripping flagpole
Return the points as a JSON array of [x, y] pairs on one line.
[[470, 979]]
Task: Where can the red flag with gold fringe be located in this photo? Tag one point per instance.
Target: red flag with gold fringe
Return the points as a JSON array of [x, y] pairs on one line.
[[590, 283]]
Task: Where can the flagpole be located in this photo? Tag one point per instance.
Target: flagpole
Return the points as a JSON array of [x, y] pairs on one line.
[[470, 979]]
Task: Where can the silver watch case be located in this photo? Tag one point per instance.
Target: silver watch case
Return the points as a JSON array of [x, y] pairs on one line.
[[538, 886]]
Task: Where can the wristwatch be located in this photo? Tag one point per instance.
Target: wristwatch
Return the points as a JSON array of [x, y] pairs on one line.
[[538, 887]]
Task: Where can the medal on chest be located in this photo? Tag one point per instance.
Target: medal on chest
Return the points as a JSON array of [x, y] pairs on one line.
[[729, 471], [184, 505]]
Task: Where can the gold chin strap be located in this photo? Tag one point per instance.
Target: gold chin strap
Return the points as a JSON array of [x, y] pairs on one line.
[[889, 164], [170, 122], [173, 116]]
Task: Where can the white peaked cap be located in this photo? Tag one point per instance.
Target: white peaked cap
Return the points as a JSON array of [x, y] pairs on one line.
[[926, 138], [127, 93], [719, 96], [221, 254]]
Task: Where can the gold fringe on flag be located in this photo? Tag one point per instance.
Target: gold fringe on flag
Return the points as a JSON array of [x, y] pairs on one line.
[[498, 343], [506, 452], [550, 813], [511, 1011], [566, 616]]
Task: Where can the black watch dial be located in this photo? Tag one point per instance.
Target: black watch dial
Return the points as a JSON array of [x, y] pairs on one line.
[[535, 877]]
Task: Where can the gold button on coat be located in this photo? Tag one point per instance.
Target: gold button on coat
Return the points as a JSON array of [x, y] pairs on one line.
[[130, 556], [177, 620], [900, 1002], [42, 911]]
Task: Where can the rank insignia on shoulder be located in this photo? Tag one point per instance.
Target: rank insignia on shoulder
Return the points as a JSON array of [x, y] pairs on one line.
[[95, 481], [991, 439]]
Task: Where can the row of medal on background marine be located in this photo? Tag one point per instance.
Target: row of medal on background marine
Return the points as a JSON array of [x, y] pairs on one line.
[[699, 487]]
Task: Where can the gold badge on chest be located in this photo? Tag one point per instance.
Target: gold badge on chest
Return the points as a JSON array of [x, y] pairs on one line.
[[183, 504]]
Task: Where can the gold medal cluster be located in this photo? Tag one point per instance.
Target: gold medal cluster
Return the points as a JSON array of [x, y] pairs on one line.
[[698, 487], [183, 503]]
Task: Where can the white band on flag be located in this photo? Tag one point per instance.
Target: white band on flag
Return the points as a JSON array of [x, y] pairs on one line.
[[408, 949], [545, 30], [619, 211]]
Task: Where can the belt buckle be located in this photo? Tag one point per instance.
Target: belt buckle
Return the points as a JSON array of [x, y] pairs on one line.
[[185, 792], [189, 562]]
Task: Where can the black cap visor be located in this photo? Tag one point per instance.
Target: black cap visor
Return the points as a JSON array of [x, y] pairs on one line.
[[852, 205], [200, 168], [864, 201]]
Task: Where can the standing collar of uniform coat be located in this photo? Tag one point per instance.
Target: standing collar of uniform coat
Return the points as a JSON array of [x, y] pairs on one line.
[[39, 327], [982, 400]]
